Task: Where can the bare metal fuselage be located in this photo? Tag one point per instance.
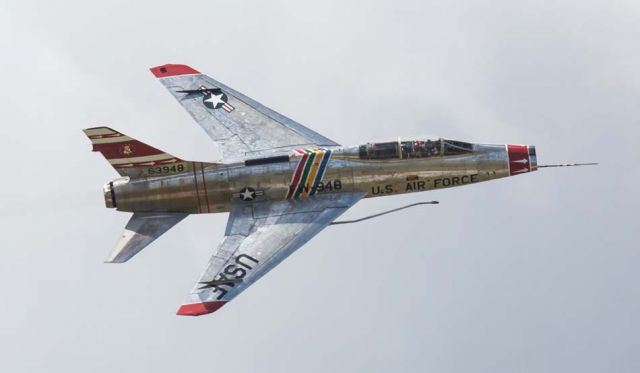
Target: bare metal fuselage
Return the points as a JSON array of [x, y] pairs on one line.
[[212, 188], [281, 182]]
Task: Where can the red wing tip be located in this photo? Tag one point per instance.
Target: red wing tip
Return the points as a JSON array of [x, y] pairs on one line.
[[172, 70], [197, 309]]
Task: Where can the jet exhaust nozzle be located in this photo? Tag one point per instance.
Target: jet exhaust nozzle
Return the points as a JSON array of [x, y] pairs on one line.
[[109, 191], [109, 195]]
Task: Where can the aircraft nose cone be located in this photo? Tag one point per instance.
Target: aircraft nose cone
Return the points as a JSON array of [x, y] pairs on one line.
[[522, 159]]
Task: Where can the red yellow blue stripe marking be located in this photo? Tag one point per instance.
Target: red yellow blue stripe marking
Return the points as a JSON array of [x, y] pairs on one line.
[[309, 172], [297, 174], [323, 167]]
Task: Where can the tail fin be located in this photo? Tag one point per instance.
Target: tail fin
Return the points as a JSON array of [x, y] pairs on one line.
[[131, 157]]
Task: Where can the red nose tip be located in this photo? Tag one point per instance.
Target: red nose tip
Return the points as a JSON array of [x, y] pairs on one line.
[[522, 159]]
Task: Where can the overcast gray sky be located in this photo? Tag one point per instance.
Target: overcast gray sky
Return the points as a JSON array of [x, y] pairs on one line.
[[528, 274]]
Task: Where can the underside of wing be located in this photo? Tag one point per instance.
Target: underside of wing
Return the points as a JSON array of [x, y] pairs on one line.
[[258, 237], [241, 127]]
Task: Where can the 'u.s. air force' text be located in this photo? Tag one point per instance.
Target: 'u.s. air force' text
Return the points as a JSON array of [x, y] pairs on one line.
[[420, 185]]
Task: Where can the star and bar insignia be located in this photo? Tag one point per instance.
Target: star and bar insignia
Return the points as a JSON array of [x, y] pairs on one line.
[[217, 100], [213, 98], [248, 194]]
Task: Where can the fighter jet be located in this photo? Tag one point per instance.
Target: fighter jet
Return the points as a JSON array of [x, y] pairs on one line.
[[281, 183]]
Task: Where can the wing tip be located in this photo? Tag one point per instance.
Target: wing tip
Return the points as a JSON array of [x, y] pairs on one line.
[[167, 70], [197, 309]]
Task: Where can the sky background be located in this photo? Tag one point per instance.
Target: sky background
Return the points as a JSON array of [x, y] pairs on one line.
[[532, 273]]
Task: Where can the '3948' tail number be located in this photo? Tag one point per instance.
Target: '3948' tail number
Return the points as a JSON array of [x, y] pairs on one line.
[[165, 169]]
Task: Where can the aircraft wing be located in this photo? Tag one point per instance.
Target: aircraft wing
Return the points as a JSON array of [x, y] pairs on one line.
[[240, 126], [258, 237]]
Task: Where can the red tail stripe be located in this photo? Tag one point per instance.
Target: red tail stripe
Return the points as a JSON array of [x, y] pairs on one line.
[[125, 149]]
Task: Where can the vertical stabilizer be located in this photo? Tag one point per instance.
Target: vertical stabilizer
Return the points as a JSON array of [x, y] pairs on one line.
[[131, 157]]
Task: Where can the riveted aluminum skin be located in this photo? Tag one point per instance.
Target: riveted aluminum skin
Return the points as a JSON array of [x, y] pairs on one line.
[[281, 182], [213, 188]]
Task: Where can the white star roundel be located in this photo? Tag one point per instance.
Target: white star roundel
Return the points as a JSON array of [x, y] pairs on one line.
[[215, 100], [247, 194]]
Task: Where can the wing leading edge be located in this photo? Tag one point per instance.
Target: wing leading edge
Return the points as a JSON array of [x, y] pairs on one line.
[[258, 237], [240, 126]]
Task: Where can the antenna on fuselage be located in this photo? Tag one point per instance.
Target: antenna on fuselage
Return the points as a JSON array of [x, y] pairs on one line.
[[567, 165]]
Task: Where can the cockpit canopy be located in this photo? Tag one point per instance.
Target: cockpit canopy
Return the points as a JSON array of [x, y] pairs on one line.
[[413, 149]]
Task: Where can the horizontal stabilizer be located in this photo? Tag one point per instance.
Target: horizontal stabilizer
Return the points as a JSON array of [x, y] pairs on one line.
[[141, 230]]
